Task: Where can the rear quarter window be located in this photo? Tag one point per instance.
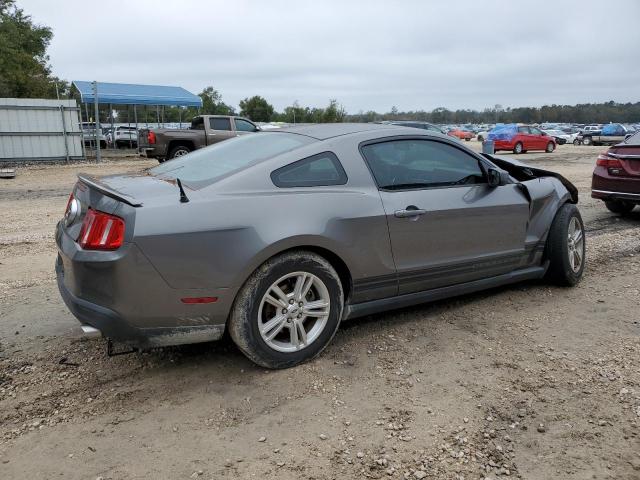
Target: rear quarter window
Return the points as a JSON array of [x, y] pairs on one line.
[[323, 169]]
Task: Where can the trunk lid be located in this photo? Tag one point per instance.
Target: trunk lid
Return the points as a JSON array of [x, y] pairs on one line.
[[629, 157], [135, 189]]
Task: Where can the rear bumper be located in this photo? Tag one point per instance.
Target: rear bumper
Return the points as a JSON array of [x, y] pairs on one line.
[[121, 294], [612, 187], [502, 145], [146, 152], [113, 326]]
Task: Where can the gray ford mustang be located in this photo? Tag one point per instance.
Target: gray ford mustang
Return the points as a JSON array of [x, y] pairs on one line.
[[280, 235]]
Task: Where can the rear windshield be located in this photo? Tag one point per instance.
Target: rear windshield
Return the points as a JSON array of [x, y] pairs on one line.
[[633, 139], [207, 165]]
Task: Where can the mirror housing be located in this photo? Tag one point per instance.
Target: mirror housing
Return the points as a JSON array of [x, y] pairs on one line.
[[497, 177]]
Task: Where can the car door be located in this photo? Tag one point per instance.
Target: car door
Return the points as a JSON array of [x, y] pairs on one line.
[[446, 224], [219, 130], [524, 136], [538, 140]]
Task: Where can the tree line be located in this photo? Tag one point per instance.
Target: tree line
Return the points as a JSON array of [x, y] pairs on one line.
[[582, 113], [25, 73]]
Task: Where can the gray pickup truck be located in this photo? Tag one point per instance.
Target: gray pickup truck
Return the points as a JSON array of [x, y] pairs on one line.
[[610, 134], [168, 143]]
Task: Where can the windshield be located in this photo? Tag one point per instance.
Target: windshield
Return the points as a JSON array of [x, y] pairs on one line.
[[207, 165]]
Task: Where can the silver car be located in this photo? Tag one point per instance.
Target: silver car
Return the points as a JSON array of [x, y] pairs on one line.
[[281, 235]]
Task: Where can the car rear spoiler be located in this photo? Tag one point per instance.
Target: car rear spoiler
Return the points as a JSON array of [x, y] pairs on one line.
[[94, 183], [523, 172]]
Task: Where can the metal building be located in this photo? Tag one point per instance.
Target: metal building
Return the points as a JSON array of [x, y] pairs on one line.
[[33, 130]]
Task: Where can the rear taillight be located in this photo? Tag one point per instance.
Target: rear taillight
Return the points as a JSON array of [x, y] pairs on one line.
[[101, 231], [151, 138], [604, 160]]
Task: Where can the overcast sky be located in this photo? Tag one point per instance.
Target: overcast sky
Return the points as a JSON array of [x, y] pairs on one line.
[[369, 55]]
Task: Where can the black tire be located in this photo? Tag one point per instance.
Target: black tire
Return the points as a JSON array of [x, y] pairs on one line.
[[619, 206], [557, 247], [244, 322], [480, 139], [576, 142], [178, 151], [518, 148], [587, 141], [466, 139], [550, 147]]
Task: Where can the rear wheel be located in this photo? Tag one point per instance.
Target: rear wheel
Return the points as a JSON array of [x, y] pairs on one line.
[[576, 142], [565, 247], [619, 206], [518, 148], [288, 310], [480, 139], [550, 147], [179, 151]]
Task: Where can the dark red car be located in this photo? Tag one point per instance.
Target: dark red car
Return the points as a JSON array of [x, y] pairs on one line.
[[521, 139], [616, 178]]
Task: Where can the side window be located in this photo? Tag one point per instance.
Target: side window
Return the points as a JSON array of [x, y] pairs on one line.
[[404, 164], [219, 123], [322, 169], [524, 130], [244, 126], [197, 123], [535, 131]]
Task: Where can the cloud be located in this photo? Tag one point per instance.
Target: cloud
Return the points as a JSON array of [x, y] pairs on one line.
[[370, 55]]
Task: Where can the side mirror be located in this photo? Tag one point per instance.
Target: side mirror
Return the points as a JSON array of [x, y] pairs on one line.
[[497, 177]]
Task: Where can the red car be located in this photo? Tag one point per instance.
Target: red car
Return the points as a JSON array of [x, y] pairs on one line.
[[461, 134], [616, 178], [521, 139]]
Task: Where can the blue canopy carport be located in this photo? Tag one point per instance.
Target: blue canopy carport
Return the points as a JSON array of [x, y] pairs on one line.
[[132, 94]]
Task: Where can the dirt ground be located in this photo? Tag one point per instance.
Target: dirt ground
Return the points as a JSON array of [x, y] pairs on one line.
[[529, 381]]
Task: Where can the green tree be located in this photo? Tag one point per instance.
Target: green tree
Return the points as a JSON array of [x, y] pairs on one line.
[[24, 71], [256, 108], [212, 103], [334, 113]]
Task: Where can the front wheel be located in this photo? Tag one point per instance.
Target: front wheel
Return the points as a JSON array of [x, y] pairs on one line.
[[587, 141], [619, 206], [288, 310], [565, 247], [550, 147], [576, 142], [518, 148], [480, 139]]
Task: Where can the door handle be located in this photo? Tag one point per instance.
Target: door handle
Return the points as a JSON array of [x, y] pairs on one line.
[[410, 211]]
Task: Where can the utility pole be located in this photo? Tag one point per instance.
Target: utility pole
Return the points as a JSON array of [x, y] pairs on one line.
[[94, 86]]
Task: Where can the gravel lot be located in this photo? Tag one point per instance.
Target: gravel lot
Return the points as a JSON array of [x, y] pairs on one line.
[[529, 381]]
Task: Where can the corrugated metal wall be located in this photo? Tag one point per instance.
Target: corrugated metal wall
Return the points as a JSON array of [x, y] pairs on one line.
[[34, 130]]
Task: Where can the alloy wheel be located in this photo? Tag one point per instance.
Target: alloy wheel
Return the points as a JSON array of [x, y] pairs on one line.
[[575, 243], [180, 153], [294, 312]]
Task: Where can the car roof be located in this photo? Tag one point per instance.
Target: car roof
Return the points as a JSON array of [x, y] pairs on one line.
[[324, 131]]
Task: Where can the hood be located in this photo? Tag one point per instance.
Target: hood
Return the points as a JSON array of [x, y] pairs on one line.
[[523, 172]]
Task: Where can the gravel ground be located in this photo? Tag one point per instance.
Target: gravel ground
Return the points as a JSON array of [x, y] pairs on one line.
[[528, 381]]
